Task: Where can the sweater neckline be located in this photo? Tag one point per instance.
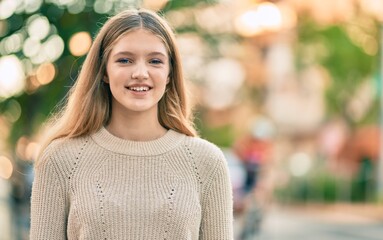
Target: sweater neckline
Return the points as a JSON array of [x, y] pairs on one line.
[[163, 144]]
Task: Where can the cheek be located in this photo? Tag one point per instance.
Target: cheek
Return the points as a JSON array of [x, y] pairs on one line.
[[164, 81], [117, 76], [164, 76], [109, 73]]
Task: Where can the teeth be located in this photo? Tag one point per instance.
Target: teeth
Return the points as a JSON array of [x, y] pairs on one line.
[[139, 89]]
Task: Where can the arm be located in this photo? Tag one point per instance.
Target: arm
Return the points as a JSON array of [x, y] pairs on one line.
[[48, 203], [217, 205]]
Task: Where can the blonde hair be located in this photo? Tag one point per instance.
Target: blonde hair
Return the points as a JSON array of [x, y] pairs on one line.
[[88, 105]]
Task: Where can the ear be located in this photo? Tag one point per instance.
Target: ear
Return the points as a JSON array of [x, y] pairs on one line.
[[105, 79], [168, 80]]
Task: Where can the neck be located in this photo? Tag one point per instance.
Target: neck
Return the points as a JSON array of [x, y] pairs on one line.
[[135, 127]]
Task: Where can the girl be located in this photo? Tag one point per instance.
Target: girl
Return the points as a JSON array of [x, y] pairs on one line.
[[123, 161]]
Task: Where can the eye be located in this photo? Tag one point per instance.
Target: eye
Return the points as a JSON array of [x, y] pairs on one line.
[[156, 61], [124, 60]]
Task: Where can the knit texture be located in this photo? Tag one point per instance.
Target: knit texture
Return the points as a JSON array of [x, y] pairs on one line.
[[103, 187]]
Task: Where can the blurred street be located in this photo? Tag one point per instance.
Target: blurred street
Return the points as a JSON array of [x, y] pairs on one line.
[[316, 224]]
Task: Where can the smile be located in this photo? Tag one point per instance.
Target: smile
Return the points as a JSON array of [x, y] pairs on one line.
[[139, 89]]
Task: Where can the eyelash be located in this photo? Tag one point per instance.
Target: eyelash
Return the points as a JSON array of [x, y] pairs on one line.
[[123, 60], [156, 61], [152, 61]]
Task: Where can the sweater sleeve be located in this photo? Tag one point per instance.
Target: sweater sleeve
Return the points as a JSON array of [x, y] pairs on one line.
[[48, 203], [217, 205]]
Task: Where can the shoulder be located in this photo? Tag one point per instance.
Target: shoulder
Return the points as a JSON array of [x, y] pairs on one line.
[[203, 147], [61, 150], [205, 154]]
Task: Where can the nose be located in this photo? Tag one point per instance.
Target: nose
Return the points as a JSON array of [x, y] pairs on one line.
[[140, 72]]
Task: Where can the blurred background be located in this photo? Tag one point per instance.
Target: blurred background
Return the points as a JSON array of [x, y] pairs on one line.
[[290, 90]]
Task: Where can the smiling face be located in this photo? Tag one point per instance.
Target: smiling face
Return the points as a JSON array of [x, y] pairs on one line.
[[137, 71]]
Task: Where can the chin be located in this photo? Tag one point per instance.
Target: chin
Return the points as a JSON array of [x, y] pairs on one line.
[[140, 108]]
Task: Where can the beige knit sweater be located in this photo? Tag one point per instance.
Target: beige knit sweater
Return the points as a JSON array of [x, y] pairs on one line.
[[103, 187]]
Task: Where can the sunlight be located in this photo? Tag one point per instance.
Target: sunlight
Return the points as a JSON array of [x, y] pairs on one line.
[[12, 78]]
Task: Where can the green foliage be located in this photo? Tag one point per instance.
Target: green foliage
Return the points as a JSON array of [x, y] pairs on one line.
[[324, 186], [320, 187], [363, 185], [222, 136], [346, 62], [36, 106], [177, 4]]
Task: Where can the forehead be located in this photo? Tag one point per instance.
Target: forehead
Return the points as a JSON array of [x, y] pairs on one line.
[[139, 40]]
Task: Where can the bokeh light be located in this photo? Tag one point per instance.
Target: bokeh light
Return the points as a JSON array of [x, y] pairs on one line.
[[77, 6], [193, 51], [13, 111], [247, 25], [264, 17], [31, 47], [180, 18], [32, 151], [45, 73], [6, 167], [155, 5], [80, 43], [289, 16], [12, 44], [12, 78], [53, 47], [8, 7], [31, 6], [4, 128], [213, 21], [374, 7], [224, 77], [21, 147], [51, 50], [38, 27], [269, 16], [102, 6], [300, 164], [63, 2]]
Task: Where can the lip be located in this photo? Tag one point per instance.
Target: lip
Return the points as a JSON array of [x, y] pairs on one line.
[[136, 93], [139, 85]]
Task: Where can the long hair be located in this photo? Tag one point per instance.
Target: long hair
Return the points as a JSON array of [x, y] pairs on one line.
[[88, 103]]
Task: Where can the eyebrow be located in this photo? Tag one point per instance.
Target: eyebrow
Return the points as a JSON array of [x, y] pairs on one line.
[[132, 54]]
